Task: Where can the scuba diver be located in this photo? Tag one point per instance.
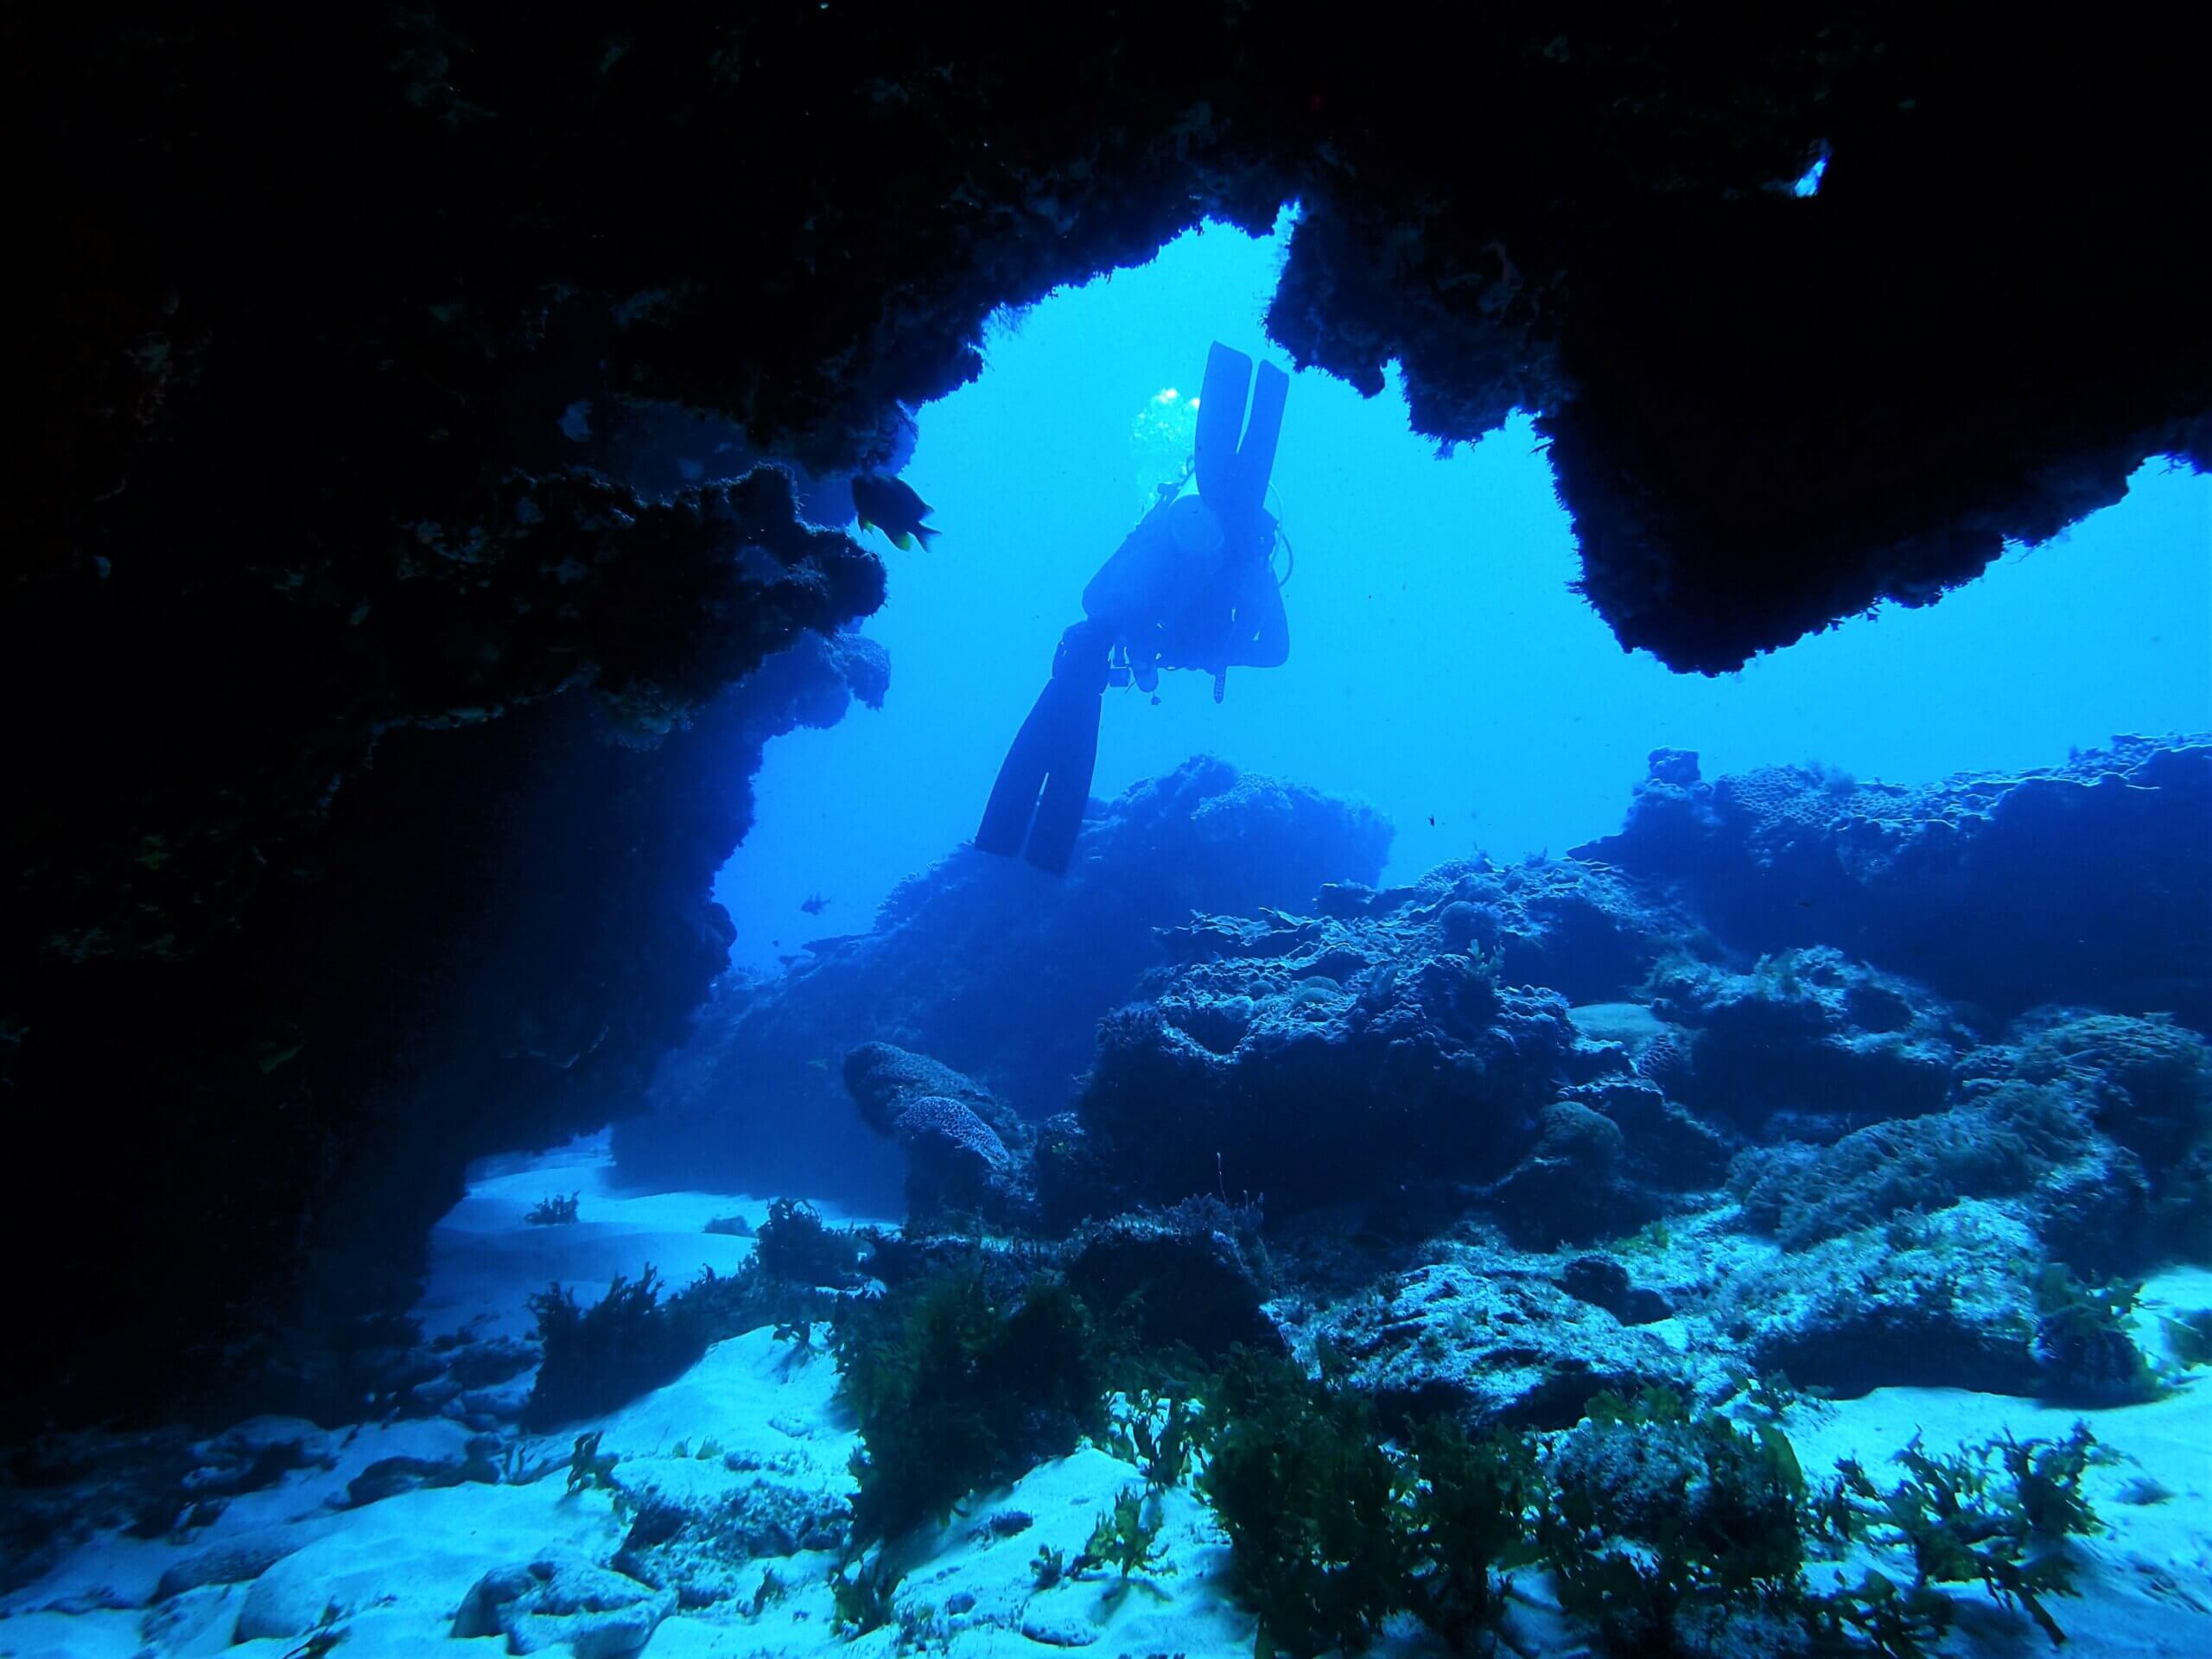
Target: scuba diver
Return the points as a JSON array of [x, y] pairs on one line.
[[1194, 586]]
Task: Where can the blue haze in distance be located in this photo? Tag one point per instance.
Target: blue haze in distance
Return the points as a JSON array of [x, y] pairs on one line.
[[1440, 666]]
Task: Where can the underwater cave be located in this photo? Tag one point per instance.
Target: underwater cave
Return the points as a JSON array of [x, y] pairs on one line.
[[726, 934]]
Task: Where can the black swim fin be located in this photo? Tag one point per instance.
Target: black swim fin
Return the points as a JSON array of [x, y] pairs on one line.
[[1233, 475]]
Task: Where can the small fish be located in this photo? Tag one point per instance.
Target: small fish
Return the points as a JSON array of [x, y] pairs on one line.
[[815, 903], [880, 502], [819, 1063], [269, 1056]]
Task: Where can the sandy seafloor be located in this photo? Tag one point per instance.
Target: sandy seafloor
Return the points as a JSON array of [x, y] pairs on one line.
[[394, 1572]]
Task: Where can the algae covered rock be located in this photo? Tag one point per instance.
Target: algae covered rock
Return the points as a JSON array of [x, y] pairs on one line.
[[1831, 1041], [1569, 1188], [2146, 1080], [562, 1600], [1191, 1274], [1947, 1301], [703, 1522], [2082, 882], [2009, 1141], [1319, 1061], [967, 1155], [1488, 1336]]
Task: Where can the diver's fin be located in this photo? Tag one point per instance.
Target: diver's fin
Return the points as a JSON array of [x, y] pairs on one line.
[[922, 534], [902, 541], [1221, 417], [1255, 456], [1233, 475]]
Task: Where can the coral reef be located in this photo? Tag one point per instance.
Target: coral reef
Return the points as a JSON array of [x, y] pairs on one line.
[[967, 1155], [1319, 1061], [1932, 882], [986, 966], [1811, 1037]]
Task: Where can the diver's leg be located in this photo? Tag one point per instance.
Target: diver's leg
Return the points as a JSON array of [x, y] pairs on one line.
[[1013, 796], [1060, 737], [1080, 671], [1067, 787]]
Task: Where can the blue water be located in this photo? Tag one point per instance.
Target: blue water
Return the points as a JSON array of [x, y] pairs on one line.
[[1440, 665]]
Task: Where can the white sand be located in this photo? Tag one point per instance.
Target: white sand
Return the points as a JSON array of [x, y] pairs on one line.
[[485, 1261], [396, 1571]]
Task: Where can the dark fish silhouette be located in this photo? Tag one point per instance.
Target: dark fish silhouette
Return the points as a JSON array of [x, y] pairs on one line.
[[883, 503], [815, 903]]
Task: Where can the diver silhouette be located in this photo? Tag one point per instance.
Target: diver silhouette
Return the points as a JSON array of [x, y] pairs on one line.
[[1194, 586]]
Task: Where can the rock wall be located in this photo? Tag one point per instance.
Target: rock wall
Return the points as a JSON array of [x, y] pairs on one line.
[[502, 930], [333, 312]]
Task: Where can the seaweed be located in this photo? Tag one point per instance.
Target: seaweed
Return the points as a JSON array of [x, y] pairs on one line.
[[600, 1358], [794, 1244], [1875, 1615], [1996, 1514], [320, 1640], [633, 1340], [1470, 1502], [554, 1211], [589, 1468], [1127, 1536], [799, 1333], [1655, 1513], [861, 1600], [771, 1590], [1651, 1509], [1314, 1507], [1047, 1567], [1162, 1434], [2084, 1344], [958, 1387], [1331, 1532], [2189, 1337]]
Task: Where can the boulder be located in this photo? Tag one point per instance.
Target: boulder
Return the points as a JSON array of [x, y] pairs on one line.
[[1186, 1276], [1491, 1337], [967, 1156], [563, 1601]]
